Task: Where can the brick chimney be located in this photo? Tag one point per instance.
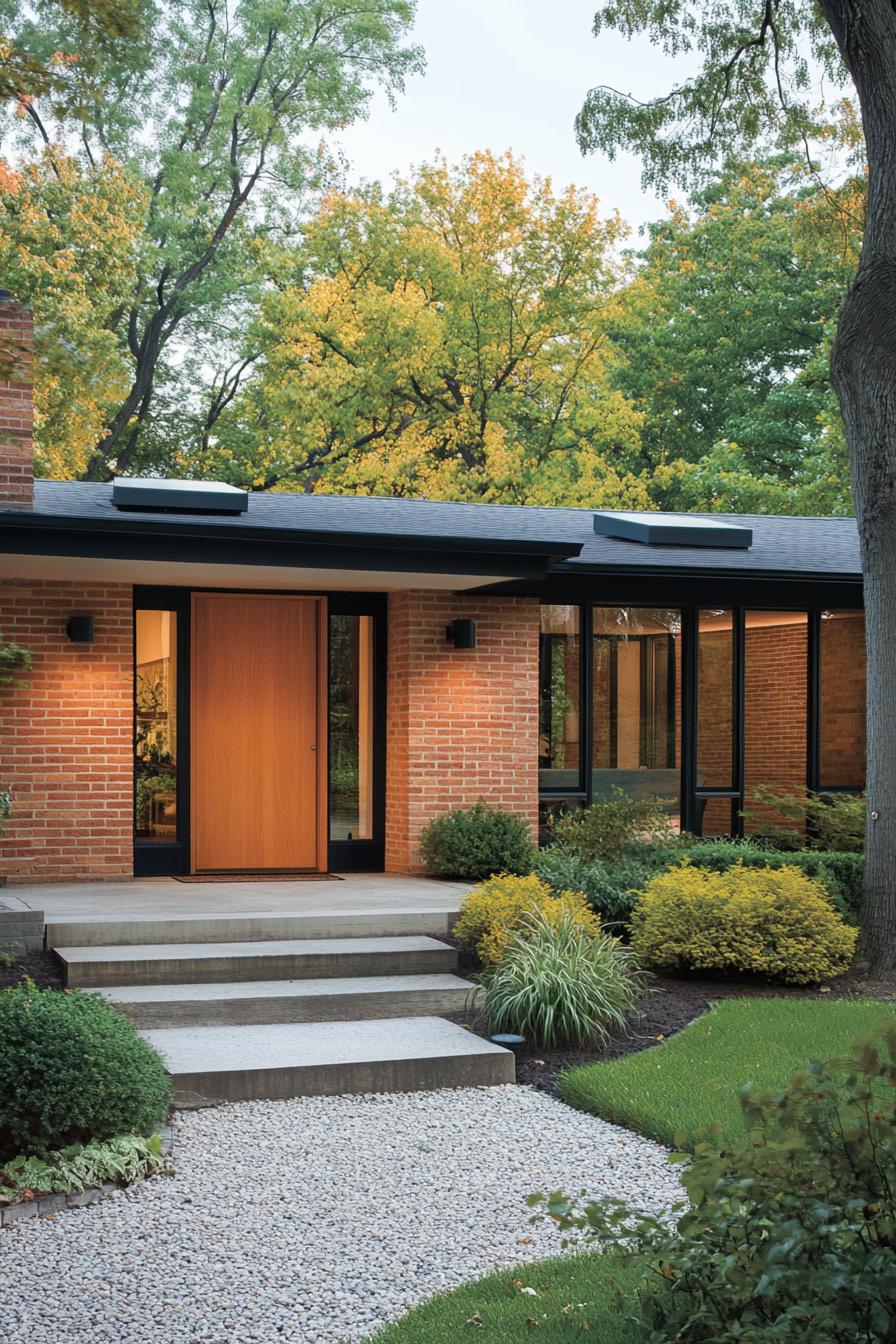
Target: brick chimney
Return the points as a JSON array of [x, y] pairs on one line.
[[16, 405]]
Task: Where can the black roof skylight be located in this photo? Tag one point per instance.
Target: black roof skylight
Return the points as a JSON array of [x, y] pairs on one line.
[[151, 493], [659, 529]]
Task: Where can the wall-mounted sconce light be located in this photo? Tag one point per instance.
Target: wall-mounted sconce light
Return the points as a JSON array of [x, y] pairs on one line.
[[462, 634], [80, 629]]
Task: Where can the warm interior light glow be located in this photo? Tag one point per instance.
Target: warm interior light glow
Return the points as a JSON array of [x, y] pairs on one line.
[[155, 717], [351, 727]]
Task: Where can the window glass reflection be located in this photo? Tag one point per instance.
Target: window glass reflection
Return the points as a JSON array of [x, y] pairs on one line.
[[842, 709], [636, 678], [351, 727], [559, 652], [155, 719]]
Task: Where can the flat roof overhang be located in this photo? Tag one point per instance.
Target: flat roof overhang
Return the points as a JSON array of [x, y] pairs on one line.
[[671, 586], [172, 550]]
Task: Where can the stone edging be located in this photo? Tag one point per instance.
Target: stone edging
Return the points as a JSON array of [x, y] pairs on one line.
[[47, 1205]]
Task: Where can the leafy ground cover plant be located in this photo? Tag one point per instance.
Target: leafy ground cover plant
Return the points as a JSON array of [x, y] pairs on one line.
[[476, 842], [496, 910], [72, 1070], [773, 922], [809, 820], [605, 830], [127, 1158], [691, 1080], [558, 984], [789, 1235]]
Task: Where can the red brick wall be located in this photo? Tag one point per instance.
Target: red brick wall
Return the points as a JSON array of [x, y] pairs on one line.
[[462, 725], [16, 407], [65, 734]]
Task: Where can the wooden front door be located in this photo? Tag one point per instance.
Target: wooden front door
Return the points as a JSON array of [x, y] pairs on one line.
[[257, 746]]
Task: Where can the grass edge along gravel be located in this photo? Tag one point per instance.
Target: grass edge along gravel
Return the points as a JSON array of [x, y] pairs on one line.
[[694, 1078], [564, 1298]]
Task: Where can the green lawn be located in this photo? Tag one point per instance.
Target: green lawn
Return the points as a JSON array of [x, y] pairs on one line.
[[693, 1078], [578, 1297]]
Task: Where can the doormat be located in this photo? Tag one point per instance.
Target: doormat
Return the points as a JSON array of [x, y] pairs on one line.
[[260, 877]]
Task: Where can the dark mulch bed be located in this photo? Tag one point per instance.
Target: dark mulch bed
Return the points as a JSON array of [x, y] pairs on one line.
[[41, 967], [669, 1005]]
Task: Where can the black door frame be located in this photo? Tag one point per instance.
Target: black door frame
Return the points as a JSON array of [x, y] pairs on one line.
[[160, 858]]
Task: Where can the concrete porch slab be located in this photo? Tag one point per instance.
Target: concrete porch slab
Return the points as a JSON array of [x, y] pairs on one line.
[[164, 898]]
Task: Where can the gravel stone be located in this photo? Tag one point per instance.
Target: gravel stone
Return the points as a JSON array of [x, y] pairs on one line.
[[315, 1220]]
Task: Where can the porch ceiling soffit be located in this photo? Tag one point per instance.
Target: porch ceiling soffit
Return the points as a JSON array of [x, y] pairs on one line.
[[191, 551]]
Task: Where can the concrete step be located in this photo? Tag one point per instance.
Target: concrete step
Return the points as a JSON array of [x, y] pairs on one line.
[[289, 959], [276, 1001], [249, 927], [404, 1054]]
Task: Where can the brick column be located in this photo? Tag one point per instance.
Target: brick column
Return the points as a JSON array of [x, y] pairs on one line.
[[66, 734], [16, 406], [462, 725]]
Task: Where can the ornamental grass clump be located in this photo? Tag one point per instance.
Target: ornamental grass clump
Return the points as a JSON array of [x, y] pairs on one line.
[[558, 984], [494, 911], [773, 922], [72, 1069]]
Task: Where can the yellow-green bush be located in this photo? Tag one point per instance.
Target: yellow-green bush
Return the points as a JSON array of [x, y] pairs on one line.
[[774, 922], [493, 912]]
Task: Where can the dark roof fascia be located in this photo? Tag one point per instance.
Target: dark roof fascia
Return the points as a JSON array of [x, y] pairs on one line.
[[163, 539], [688, 587]]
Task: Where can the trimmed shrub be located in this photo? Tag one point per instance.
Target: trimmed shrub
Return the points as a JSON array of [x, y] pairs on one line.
[[841, 874], [611, 886], [560, 985], [773, 922], [493, 912], [476, 842], [605, 830], [789, 1231], [72, 1069]]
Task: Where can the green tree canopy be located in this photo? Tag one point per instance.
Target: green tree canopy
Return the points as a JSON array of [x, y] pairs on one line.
[[217, 109], [726, 333], [88, 30], [71, 240], [449, 340]]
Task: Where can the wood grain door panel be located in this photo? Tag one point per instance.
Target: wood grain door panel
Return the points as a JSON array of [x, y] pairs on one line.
[[254, 733]]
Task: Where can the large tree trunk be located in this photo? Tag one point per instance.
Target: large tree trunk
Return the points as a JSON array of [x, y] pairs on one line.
[[863, 369]]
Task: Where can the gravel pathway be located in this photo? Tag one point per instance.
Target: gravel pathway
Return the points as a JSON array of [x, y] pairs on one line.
[[314, 1221]]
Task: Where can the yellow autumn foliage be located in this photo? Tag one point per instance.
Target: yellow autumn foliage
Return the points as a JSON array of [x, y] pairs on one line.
[[773, 922], [494, 911], [70, 239]]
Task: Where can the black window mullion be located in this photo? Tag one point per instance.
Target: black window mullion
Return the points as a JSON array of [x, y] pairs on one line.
[[738, 724], [586, 704], [613, 706], [813, 702], [689, 704]]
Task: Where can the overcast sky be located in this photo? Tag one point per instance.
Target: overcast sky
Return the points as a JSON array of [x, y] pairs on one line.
[[511, 74]]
